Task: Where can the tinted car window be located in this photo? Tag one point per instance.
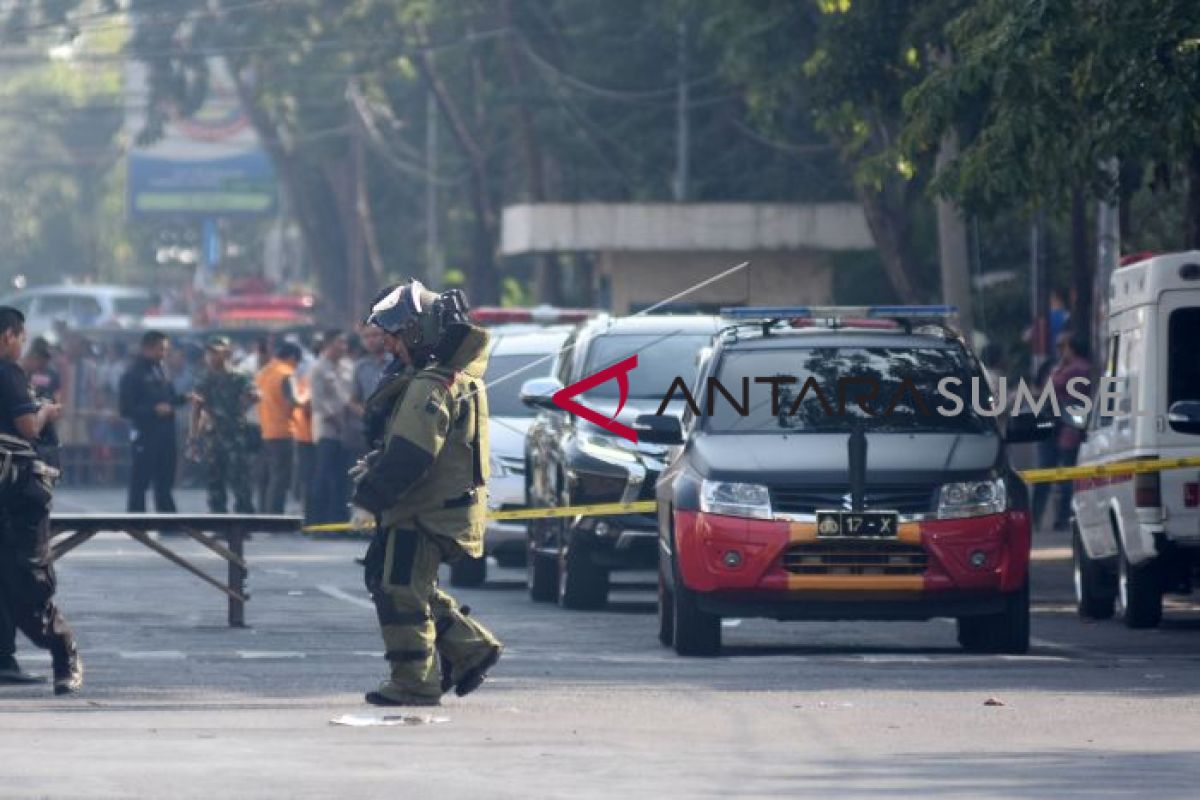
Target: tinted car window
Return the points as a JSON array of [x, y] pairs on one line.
[[85, 309], [906, 378], [661, 357], [54, 304], [132, 306], [504, 397]]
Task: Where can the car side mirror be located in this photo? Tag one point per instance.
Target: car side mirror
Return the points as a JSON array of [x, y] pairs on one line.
[[538, 392], [1076, 419], [1184, 416], [659, 429], [1028, 427]]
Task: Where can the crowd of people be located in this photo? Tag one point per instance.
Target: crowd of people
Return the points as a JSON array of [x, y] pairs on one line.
[[276, 425]]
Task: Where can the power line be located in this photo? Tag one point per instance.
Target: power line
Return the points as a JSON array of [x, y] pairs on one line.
[[348, 45]]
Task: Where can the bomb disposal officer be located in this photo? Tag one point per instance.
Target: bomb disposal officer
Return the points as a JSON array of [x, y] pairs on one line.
[[426, 489], [27, 580]]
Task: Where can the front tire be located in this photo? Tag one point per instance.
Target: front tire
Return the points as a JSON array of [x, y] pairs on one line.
[[1095, 588], [468, 572], [582, 585], [666, 611], [1003, 632], [541, 573], [1139, 593], [697, 633]]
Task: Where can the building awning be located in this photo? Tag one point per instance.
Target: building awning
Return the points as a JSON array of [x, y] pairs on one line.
[[683, 227]]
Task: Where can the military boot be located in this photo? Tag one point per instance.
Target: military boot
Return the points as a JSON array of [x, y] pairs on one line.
[[68, 669], [12, 674]]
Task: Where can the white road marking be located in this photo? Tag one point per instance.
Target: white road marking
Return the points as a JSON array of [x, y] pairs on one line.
[[337, 593], [270, 654], [153, 655]]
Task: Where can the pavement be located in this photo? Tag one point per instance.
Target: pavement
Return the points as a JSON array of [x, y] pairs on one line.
[[584, 704]]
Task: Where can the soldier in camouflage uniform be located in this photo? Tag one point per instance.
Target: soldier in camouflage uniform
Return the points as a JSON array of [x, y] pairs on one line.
[[426, 487], [220, 435]]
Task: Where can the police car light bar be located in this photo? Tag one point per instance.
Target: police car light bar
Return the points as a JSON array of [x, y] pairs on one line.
[[838, 312]]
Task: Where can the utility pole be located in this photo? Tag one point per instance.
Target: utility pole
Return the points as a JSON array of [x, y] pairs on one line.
[[434, 267], [682, 132], [1039, 294]]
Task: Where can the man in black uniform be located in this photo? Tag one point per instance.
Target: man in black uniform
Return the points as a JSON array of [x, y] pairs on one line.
[[46, 384], [148, 401], [26, 575]]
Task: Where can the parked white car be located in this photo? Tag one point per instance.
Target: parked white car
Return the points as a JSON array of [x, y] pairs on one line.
[[1137, 537], [80, 306], [508, 367]]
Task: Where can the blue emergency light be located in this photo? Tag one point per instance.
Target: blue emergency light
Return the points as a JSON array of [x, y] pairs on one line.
[[838, 312]]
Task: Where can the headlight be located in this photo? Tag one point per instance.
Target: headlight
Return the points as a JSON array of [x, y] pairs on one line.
[[735, 499], [606, 448], [972, 499]]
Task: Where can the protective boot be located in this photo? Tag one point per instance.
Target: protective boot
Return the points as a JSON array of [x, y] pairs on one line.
[[474, 676], [12, 674], [68, 669], [396, 697]]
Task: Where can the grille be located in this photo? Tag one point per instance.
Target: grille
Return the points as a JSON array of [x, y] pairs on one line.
[[647, 490], [807, 500], [855, 558]]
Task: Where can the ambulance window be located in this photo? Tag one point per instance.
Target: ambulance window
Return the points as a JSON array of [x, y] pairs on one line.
[[1110, 371], [1183, 359]]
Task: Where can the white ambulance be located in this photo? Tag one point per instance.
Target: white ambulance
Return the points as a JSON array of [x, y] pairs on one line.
[[1137, 537]]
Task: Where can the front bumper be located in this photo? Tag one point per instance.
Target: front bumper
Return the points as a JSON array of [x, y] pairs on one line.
[[786, 571], [505, 492]]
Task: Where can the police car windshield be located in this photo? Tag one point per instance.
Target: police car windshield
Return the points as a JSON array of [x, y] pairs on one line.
[[885, 389], [661, 356], [504, 398]]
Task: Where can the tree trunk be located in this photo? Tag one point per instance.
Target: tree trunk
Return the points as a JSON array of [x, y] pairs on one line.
[[888, 230], [1192, 223], [952, 246], [313, 203], [547, 286]]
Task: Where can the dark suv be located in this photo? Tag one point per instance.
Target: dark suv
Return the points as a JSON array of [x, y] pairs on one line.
[[862, 500], [569, 461]]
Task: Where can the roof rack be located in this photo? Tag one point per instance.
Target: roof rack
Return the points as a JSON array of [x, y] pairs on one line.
[[767, 317]]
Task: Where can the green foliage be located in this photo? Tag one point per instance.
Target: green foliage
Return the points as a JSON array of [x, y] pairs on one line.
[[1044, 92]]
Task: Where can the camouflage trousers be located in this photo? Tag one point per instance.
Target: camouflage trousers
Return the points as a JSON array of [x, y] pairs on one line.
[[227, 465], [420, 622]]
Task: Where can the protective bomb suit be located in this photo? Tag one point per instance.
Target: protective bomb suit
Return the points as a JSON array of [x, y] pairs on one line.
[[426, 485]]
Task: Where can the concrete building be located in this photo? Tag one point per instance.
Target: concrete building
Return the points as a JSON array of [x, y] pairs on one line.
[[648, 251]]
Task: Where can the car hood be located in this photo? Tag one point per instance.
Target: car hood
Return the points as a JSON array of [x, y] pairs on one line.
[[506, 435], [632, 408], [816, 459]]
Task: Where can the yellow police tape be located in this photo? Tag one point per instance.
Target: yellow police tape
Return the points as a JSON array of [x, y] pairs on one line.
[[593, 510], [1047, 475]]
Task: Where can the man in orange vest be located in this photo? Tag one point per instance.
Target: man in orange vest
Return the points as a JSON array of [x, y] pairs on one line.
[[275, 416], [302, 433]]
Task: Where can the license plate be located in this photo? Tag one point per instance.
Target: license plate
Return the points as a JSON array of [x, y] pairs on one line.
[[861, 524]]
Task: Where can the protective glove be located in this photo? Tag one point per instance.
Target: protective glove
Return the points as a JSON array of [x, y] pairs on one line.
[[361, 519], [362, 465]]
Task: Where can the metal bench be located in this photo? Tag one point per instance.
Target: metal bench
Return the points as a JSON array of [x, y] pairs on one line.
[[68, 531]]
